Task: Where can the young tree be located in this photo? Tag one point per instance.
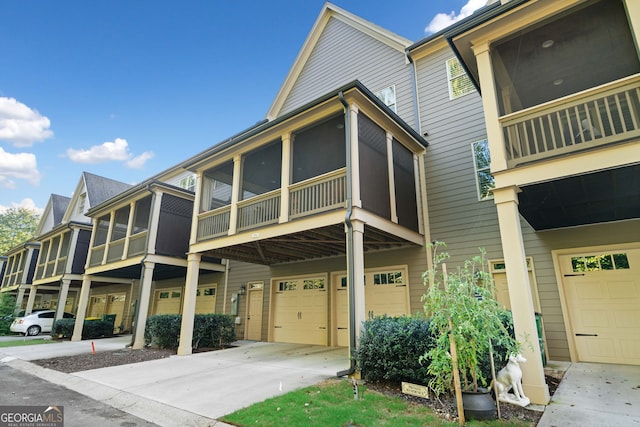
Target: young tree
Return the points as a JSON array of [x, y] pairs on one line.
[[17, 225]]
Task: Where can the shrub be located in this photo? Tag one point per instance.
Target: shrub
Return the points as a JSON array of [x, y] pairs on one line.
[[63, 328], [390, 349], [96, 329], [163, 330], [209, 330], [213, 330]]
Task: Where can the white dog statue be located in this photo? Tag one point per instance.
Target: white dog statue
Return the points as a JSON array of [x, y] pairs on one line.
[[510, 377]]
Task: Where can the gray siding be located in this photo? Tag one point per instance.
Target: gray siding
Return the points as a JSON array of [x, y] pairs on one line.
[[344, 54], [241, 273]]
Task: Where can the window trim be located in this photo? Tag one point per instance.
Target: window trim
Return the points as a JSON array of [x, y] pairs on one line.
[[476, 171], [451, 78], [394, 106]]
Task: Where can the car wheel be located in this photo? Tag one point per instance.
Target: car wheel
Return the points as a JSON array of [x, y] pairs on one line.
[[33, 330]]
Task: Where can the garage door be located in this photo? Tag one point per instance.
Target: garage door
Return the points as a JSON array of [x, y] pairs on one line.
[[300, 310], [206, 299], [168, 301], [386, 292], [602, 293]]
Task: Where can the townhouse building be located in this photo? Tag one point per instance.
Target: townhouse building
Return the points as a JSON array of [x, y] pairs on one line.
[[515, 130]]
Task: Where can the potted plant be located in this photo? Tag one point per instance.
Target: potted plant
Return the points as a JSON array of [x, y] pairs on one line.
[[466, 319]]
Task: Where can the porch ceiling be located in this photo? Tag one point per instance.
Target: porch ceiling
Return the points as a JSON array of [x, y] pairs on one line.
[[605, 196], [305, 245]]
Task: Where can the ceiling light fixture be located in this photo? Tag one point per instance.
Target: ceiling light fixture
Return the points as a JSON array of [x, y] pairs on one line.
[[558, 82], [547, 43]]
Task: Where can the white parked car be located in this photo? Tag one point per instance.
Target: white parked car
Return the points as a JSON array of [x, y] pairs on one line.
[[36, 322]]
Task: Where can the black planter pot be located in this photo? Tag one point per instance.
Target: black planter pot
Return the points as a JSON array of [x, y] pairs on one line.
[[479, 405]]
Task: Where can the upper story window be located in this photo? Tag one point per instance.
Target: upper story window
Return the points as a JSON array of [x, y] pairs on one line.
[[120, 224], [217, 187], [188, 183], [459, 82], [141, 215], [388, 96], [482, 166], [81, 202], [262, 170], [319, 149], [101, 231]]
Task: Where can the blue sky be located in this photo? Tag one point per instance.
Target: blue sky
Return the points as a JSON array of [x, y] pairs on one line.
[[127, 89]]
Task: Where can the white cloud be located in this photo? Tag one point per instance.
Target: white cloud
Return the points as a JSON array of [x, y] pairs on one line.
[[139, 161], [117, 150], [18, 166], [443, 20], [20, 125], [25, 203]]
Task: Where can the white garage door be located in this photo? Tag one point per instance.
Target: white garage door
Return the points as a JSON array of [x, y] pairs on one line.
[[602, 293], [168, 301], [300, 310], [386, 292], [206, 299]]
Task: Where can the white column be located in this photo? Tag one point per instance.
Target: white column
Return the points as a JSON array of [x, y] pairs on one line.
[[355, 158], [62, 297], [524, 322], [189, 304], [235, 194], [285, 178], [358, 276], [154, 221], [81, 312], [201, 189], [490, 107], [33, 289], [143, 304], [392, 179], [127, 241], [19, 299]]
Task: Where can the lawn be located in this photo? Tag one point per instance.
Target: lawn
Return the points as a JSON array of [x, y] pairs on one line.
[[332, 403], [18, 342]]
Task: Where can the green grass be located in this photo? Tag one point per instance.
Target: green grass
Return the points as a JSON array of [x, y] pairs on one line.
[[332, 404], [19, 342]]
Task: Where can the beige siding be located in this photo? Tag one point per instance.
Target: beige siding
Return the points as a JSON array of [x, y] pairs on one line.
[[344, 54], [240, 273]]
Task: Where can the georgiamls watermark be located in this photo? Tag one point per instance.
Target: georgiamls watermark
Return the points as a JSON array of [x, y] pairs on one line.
[[31, 416]]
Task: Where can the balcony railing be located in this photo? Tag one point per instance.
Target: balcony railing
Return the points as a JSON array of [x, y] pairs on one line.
[[318, 194], [591, 118], [259, 210]]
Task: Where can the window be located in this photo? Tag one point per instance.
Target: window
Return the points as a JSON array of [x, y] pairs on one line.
[[600, 262], [459, 82], [188, 183], [388, 96], [482, 164], [81, 203]]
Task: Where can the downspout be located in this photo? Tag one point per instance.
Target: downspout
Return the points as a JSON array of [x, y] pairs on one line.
[[349, 238], [414, 88], [144, 258]]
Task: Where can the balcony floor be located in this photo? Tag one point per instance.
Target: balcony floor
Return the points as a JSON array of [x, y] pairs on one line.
[[305, 245]]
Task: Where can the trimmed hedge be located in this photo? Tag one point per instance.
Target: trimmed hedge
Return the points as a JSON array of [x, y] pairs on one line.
[[63, 328], [209, 330], [390, 349]]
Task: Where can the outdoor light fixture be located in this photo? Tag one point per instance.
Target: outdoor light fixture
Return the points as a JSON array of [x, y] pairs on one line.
[[243, 289]]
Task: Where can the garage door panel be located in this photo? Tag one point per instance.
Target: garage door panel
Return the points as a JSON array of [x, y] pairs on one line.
[[300, 311], [603, 296]]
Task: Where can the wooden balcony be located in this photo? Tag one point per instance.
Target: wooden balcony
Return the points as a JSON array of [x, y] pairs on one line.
[[312, 196], [595, 117], [118, 250]]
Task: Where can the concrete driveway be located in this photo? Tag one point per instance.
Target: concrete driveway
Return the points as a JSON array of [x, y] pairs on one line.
[[190, 390]]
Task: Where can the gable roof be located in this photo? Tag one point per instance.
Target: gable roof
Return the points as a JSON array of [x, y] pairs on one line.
[[97, 189], [59, 205], [331, 11]]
